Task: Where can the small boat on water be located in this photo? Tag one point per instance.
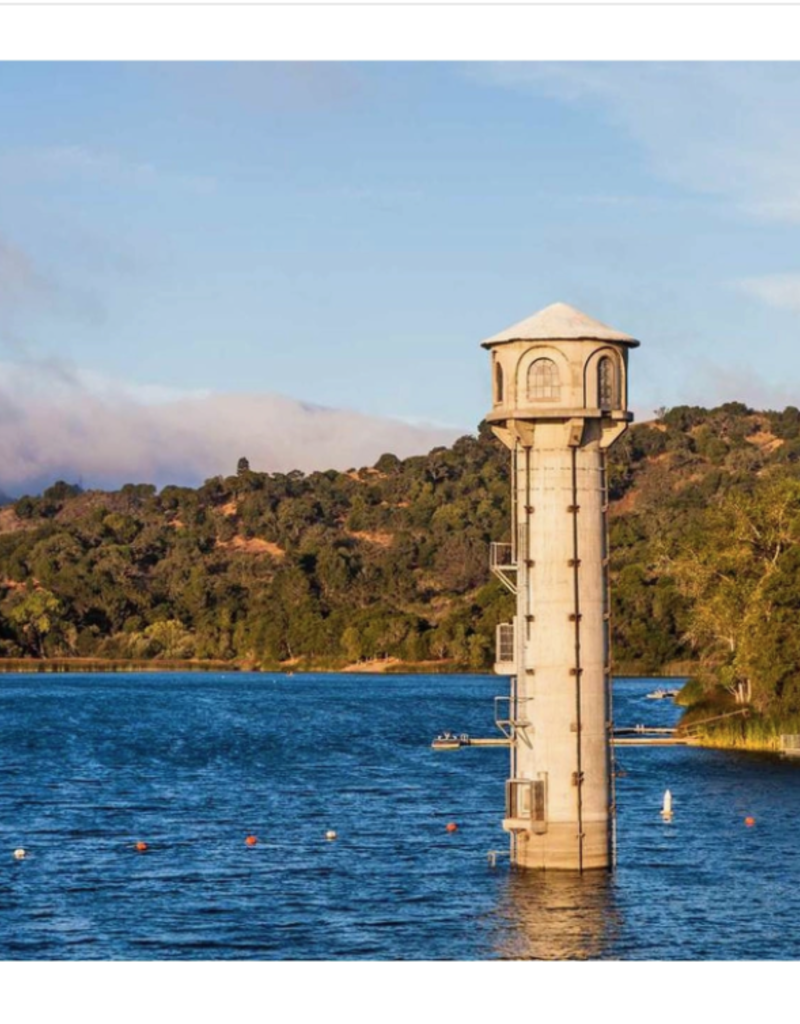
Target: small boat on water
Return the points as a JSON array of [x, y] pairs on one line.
[[450, 741], [662, 694]]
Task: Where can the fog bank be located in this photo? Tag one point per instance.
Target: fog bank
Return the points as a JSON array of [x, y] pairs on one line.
[[53, 425]]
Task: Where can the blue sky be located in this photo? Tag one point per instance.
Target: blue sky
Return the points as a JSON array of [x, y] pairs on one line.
[[346, 234]]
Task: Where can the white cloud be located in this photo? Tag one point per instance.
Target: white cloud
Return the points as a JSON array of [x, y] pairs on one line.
[[727, 129], [782, 291], [57, 422]]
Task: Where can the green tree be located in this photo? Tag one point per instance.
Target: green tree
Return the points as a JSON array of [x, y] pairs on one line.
[[36, 614], [727, 568]]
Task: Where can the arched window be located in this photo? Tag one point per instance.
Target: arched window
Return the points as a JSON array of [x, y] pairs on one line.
[[498, 384], [543, 382], [606, 384]]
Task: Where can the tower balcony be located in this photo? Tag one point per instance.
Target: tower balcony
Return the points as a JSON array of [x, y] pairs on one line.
[[503, 563], [505, 663]]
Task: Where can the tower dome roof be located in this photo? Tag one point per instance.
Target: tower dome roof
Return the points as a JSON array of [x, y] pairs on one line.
[[560, 322]]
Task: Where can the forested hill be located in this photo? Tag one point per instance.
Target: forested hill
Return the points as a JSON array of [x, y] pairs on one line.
[[392, 560]]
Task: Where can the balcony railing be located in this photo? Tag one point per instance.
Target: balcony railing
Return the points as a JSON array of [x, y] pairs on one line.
[[502, 556], [503, 563], [512, 717]]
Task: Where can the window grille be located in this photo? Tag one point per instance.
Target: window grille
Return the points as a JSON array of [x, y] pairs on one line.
[[543, 381], [606, 384], [505, 642]]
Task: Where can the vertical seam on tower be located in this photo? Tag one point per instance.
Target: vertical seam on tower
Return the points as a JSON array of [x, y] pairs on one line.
[[577, 612], [527, 539], [514, 681], [611, 755]]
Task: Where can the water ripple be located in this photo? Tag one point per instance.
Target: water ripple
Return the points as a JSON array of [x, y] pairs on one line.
[[192, 764]]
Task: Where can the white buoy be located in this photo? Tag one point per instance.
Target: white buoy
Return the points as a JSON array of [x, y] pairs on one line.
[[20, 854], [666, 810], [330, 834]]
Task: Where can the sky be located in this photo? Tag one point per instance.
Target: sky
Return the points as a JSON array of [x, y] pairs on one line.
[[296, 262]]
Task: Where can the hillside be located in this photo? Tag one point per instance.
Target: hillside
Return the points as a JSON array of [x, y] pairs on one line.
[[383, 562]]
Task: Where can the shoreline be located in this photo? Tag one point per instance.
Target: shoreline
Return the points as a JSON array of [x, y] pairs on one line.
[[59, 665], [382, 666], [752, 747], [376, 666]]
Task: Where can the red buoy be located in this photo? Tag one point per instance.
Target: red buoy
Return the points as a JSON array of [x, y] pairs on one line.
[[141, 847], [451, 826], [749, 822], [251, 840]]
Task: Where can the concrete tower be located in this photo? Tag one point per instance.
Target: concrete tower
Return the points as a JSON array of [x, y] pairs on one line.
[[559, 383]]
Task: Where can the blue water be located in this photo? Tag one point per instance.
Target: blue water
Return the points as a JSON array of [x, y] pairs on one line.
[[191, 764]]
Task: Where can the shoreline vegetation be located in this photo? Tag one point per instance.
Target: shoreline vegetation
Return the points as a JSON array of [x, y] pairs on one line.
[[714, 718], [757, 733], [374, 666], [386, 568]]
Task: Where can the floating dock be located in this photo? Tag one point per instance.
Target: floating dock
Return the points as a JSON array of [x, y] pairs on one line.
[[645, 736], [651, 741], [457, 742]]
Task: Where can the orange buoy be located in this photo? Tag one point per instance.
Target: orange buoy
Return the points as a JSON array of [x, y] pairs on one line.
[[749, 822], [451, 826], [141, 847], [251, 840]]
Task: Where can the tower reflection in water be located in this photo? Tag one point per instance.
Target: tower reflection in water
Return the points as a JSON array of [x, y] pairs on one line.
[[557, 915]]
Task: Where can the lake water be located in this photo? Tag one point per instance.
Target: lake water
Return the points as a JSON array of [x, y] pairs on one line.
[[191, 764]]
